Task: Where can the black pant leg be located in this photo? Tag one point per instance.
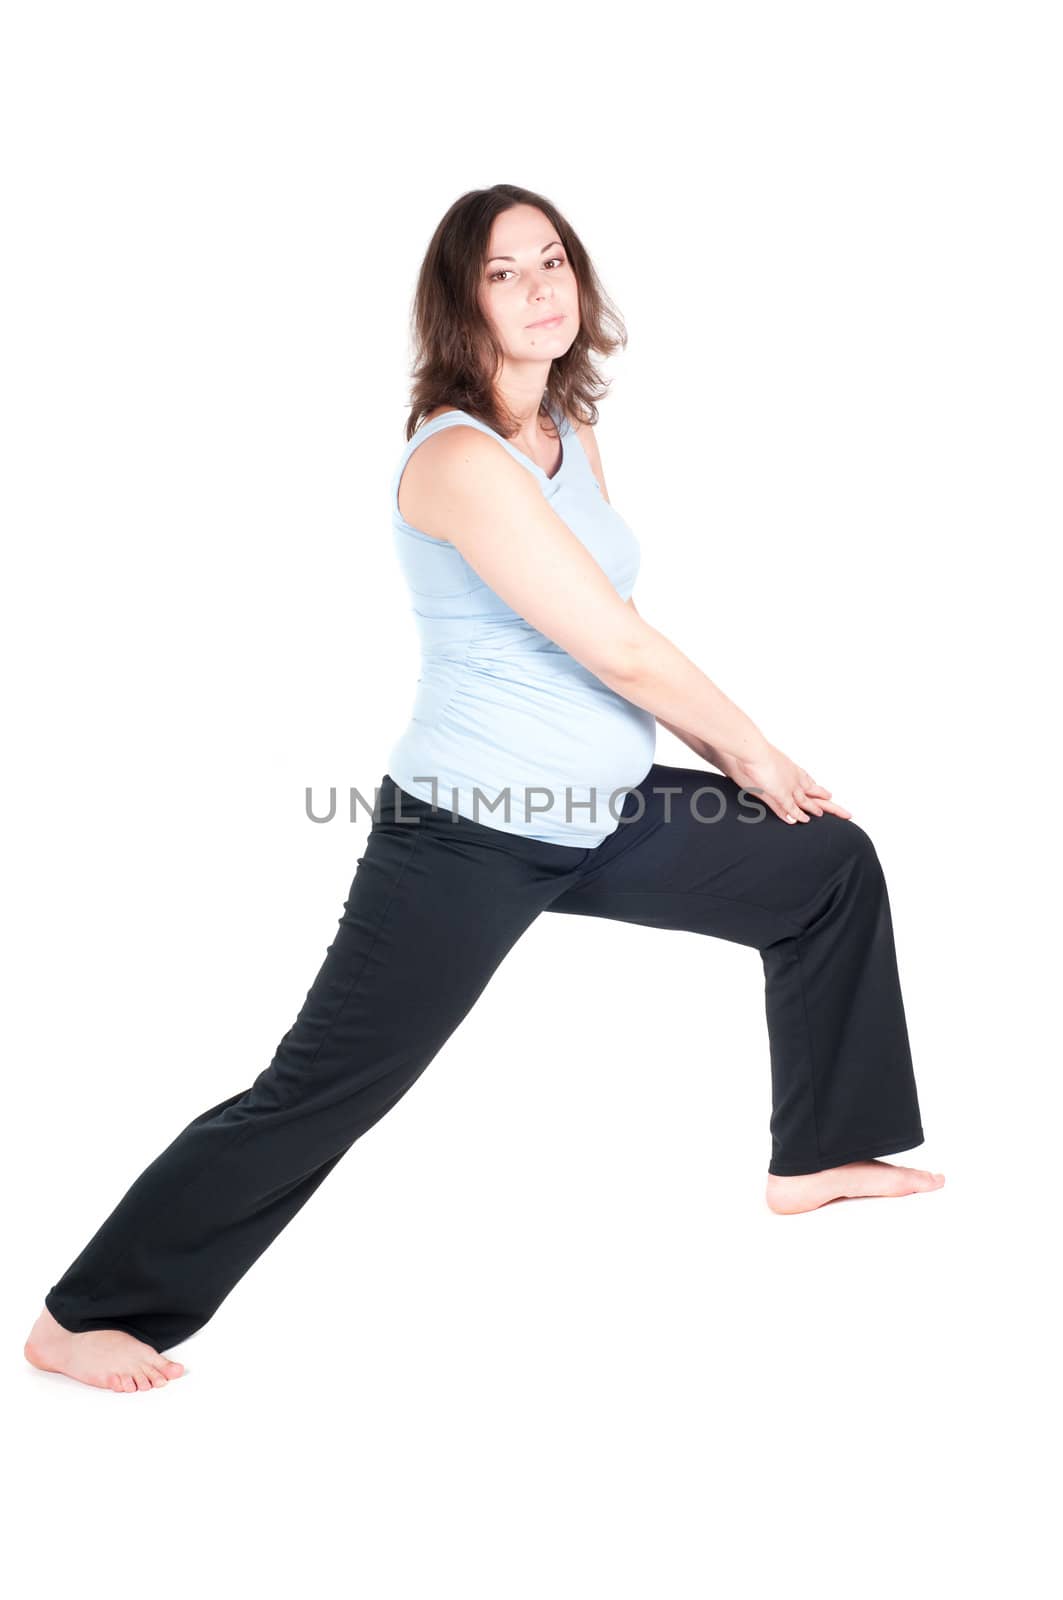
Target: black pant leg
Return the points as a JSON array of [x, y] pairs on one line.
[[812, 898], [433, 909]]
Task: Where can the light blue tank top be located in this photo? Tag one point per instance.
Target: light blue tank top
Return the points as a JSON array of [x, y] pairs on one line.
[[516, 733]]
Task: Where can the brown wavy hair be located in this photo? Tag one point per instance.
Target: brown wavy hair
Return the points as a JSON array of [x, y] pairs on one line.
[[456, 354]]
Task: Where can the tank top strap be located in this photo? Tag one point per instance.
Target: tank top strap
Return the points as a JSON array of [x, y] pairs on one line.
[[453, 418]]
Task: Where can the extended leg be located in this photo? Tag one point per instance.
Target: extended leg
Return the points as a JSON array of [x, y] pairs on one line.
[[431, 913]]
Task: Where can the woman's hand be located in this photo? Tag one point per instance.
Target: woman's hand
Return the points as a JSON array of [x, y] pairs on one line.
[[780, 783]]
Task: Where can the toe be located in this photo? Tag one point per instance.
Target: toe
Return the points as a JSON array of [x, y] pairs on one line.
[[158, 1378], [143, 1378], [128, 1385], [173, 1369]]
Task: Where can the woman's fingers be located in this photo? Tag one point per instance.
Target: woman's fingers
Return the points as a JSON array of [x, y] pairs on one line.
[[778, 806], [809, 805], [822, 795], [810, 786], [792, 809], [801, 804]]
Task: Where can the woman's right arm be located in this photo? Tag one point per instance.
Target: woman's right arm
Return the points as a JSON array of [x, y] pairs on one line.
[[471, 492]]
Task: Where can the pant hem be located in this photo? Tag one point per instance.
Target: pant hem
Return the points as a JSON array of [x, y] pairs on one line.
[[882, 1147], [72, 1323]]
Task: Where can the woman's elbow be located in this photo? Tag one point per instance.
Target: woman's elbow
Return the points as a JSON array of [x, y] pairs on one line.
[[619, 658]]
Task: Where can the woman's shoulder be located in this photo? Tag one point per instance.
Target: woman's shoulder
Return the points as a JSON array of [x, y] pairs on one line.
[[418, 483]]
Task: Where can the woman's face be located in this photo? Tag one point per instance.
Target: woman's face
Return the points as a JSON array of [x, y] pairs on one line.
[[527, 279]]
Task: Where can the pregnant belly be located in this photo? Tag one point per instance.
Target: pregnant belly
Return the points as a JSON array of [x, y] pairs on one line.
[[545, 728]]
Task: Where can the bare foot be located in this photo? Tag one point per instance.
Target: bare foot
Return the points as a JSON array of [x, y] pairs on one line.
[[857, 1180], [106, 1358]]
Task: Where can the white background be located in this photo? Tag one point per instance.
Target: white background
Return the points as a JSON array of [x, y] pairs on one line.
[[539, 1334]]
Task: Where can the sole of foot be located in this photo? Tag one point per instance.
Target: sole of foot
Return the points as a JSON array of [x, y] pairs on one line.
[[857, 1180], [106, 1358]]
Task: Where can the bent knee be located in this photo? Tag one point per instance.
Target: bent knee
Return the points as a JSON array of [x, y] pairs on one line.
[[848, 841]]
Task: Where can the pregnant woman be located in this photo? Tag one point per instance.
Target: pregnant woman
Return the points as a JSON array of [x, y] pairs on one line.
[[525, 782]]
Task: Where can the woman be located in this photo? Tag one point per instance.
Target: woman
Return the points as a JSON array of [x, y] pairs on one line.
[[525, 782]]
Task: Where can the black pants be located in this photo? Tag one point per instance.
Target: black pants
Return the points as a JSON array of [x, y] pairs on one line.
[[435, 906]]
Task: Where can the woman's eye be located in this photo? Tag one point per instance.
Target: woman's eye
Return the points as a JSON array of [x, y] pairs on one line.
[[503, 271]]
